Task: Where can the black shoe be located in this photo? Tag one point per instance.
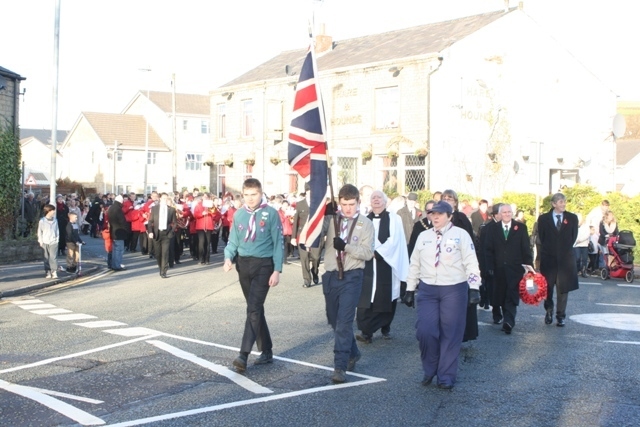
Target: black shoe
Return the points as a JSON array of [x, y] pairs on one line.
[[265, 357], [240, 362], [507, 328], [178, 262], [364, 338], [306, 285], [444, 386], [548, 318], [338, 376], [352, 362], [497, 321], [426, 380], [386, 335], [560, 323], [315, 278]]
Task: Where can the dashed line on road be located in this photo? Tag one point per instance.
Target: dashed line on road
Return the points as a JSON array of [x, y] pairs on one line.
[[101, 324], [27, 301], [619, 305], [51, 311], [628, 286], [73, 316], [36, 306]]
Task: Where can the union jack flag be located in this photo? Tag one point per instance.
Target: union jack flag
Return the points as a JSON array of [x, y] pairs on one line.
[[308, 148]]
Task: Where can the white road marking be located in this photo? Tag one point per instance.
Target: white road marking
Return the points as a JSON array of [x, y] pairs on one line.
[[245, 402], [59, 406], [629, 286], [619, 305], [81, 353], [241, 380], [26, 301], [590, 283], [625, 342], [73, 316], [51, 311], [67, 395], [132, 332], [100, 324], [621, 321], [36, 306]]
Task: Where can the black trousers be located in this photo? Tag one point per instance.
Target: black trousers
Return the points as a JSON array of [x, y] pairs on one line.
[[562, 299], [215, 238], [193, 245], [204, 244], [254, 274], [133, 242], [162, 250]]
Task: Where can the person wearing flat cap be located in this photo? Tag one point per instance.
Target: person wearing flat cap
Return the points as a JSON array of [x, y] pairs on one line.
[[443, 279]]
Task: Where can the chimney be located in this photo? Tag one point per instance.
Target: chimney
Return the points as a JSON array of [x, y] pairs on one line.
[[324, 43]]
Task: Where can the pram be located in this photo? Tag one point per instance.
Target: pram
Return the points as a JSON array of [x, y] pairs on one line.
[[621, 248]]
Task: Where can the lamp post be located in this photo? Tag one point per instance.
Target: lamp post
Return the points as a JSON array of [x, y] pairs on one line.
[[146, 135], [54, 122]]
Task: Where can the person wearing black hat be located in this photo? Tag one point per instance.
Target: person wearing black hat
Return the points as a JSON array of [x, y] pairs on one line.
[[309, 258], [444, 271]]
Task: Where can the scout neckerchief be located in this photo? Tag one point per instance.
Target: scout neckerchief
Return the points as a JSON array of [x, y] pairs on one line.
[[439, 234], [344, 235], [251, 231]]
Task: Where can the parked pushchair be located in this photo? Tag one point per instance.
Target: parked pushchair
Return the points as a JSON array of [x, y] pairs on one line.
[[621, 249]]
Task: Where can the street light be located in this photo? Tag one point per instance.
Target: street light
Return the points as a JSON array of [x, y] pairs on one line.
[[146, 135]]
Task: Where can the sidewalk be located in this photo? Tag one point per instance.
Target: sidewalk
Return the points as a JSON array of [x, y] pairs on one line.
[[25, 277]]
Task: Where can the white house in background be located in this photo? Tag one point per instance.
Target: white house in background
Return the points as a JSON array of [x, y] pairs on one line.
[[627, 177], [88, 154], [188, 116], [35, 147], [465, 104]]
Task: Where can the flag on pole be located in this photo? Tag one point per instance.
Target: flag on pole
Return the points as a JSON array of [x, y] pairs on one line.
[[308, 148]]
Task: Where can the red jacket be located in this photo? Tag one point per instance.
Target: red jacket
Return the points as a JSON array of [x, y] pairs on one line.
[[206, 221], [138, 221], [128, 211], [229, 214], [287, 226]]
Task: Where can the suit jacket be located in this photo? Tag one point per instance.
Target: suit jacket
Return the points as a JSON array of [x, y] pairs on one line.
[[154, 222], [300, 218], [557, 258], [477, 221], [407, 221]]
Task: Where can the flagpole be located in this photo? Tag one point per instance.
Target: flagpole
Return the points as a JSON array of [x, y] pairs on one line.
[[332, 202]]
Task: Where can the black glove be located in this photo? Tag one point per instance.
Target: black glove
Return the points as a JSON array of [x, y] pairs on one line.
[[409, 299], [490, 273], [339, 244], [474, 296], [377, 256], [330, 209]]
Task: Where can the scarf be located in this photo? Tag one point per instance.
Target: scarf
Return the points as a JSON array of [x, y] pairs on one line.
[[162, 221], [251, 230]]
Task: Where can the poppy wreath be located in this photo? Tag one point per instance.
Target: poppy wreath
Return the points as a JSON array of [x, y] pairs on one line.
[[541, 292]]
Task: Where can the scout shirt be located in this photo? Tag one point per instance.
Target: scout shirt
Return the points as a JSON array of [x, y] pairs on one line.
[[268, 241], [458, 262], [358, 250]]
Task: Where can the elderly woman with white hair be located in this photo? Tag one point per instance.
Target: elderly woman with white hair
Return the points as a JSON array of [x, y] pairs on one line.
[[383, 273]]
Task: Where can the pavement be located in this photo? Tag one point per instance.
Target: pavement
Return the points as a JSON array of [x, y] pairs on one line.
[[24, 277]]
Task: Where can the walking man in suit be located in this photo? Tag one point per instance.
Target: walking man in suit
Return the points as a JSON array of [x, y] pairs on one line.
[[507, 253], [558, 231], [161, 226], [309, 257]]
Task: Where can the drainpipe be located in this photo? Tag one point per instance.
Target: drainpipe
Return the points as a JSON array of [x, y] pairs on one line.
[[428, 183]]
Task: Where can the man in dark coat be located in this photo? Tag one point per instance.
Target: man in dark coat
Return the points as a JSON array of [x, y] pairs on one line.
[[309, 257], [480, 217], [161, 226], [558, 230], [486, 289], [118, 231], [507, 252], [93, 217]]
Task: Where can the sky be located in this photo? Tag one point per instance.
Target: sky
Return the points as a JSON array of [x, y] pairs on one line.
[[105, 44]]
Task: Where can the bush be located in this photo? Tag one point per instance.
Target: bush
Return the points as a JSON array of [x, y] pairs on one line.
[[10, 177]]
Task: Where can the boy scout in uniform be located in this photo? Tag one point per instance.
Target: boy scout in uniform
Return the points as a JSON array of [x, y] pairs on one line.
[[354, 245]]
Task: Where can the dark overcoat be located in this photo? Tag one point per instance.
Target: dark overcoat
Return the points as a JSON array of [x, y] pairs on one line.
[[557, 258]]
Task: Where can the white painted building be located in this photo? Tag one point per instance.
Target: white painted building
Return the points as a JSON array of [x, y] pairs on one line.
[[482, 95]]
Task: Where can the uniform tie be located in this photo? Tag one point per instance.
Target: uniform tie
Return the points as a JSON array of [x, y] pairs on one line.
[[506, 231], [558, 222]]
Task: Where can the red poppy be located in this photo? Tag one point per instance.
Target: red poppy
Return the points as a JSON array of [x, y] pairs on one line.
[[565, 222], [261, 223], [515, 228]]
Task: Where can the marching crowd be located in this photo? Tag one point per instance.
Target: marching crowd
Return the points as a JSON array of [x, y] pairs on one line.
[[445, 259]]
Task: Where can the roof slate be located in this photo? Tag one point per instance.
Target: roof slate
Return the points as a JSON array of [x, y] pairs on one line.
[[128, 130], [626, 150], [186, 103], [409, 42], [43, 135]]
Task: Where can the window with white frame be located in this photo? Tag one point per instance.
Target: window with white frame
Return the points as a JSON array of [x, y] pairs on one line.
[[222, 121], [193, 162], [387, 108], [151, 188], [151, 158], [247, 118], [204, 126]]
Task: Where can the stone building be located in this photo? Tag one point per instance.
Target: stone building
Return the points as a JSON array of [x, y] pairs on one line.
[[9, 94], [480, 104]]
